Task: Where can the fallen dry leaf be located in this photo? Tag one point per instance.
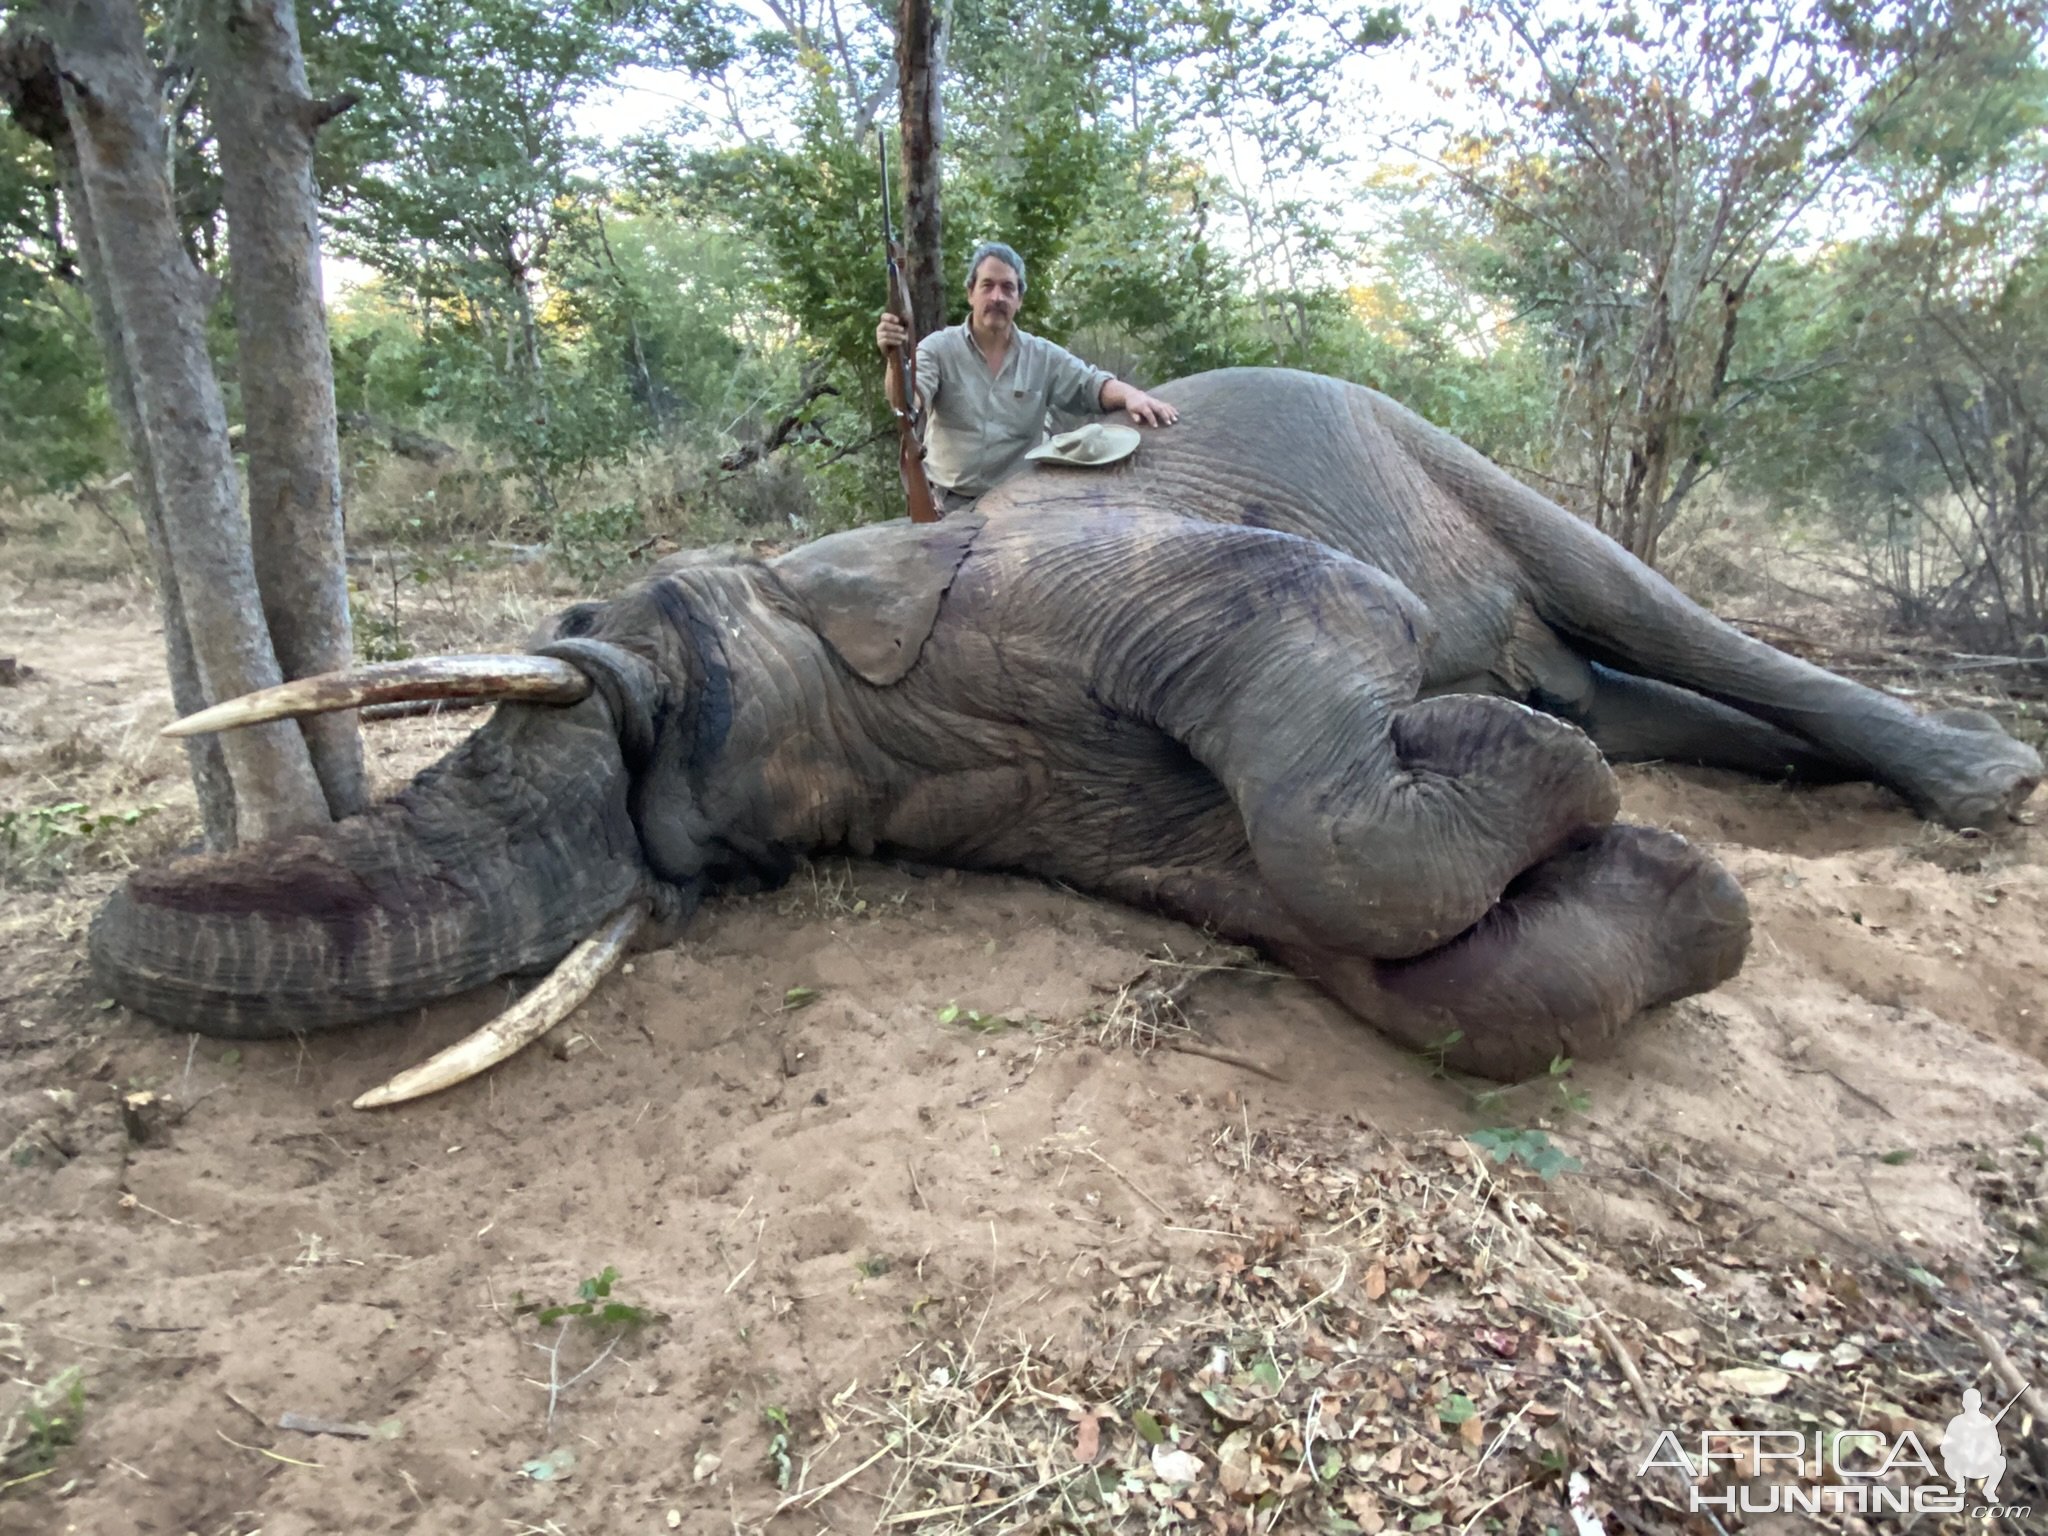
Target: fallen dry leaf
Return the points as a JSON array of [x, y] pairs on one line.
[[1751, 1381], [1500, 1342], [1088, 1438]]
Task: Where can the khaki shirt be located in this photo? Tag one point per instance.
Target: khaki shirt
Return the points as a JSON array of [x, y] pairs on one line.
[[980, 425]]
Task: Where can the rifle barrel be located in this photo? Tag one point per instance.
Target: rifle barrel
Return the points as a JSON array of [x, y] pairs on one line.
[[2008, 1407]]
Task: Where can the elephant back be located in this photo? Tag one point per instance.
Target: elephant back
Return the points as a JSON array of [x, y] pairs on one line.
[[1311, 456]]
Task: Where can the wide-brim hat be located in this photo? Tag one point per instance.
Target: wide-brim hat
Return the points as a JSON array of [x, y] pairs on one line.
[[1096, 444]]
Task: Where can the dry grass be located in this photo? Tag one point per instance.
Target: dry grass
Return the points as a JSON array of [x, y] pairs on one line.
[[1416, 1352], [1147, 1012], [86, 535]]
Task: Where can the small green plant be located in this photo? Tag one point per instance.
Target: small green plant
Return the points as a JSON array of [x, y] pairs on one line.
[[779, 1433], [44, 1424], [1438, 1051], [1456, 1409], [975, 1019], [1570, 1101], [594, 1304], [379, 634], [1534, 1150], [599, 1314], [1489, 1100], [43, 842]]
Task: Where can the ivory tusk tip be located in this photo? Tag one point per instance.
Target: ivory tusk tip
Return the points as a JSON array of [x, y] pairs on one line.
[[573, 980], [383, 1097], [200, 724]]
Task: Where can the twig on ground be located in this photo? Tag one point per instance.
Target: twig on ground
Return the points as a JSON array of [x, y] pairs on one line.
[[261, 1422], [1228, 1058], [290, 1461], [1609, 1340], [1129, 1183], [307, 1424], [1498, 1498], [810, 1496], [557, 1386]]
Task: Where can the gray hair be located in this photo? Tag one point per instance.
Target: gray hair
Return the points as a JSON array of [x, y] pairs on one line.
[[1002, 253]]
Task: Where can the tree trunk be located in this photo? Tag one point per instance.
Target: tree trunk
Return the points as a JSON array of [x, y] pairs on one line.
[[920, 65], [29, 85], [650, 394], [110, 103], [203, 754], [264, 121], [522, 335]]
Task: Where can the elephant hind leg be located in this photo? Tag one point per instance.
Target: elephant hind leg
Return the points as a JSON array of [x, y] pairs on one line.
[[1626, 919], [1637, 719]]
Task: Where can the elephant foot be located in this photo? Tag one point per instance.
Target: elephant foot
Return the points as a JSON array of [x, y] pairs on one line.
[[1626, 919], [1976, 777]]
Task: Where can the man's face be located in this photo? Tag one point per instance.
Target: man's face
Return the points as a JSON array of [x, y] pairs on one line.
[[993, 294]]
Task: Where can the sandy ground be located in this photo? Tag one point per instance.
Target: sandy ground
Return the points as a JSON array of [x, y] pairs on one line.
[[942, 1165]]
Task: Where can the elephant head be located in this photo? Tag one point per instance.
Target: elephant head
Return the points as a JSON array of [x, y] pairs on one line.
[[1220, 722]]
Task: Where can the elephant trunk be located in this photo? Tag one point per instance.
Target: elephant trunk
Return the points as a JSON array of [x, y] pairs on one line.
[[497, 859]]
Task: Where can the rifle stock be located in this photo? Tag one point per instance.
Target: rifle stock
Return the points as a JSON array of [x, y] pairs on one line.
[[917, 486]]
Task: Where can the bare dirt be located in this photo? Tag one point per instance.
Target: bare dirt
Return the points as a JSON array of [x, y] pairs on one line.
[[885, 1161]]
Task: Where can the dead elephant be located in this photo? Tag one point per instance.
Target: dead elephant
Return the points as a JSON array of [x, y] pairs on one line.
[[1117, 681]]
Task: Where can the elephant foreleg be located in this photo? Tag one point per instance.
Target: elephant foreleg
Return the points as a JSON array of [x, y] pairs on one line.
[[1447, 867], [1623, 920], [1381, 823], [1627, 919]]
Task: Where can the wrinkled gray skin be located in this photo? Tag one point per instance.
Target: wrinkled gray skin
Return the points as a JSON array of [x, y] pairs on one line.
[[1081, 680]]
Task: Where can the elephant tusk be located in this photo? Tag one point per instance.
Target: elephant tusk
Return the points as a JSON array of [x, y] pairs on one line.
[[526, 1020], [531, 679]]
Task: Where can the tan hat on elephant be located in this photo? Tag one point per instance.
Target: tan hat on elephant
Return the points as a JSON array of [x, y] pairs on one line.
[[1092, 446]]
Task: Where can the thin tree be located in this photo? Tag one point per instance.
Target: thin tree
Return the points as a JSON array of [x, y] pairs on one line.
[[920, 66], [33, 93], [108, 128], [265, 120]]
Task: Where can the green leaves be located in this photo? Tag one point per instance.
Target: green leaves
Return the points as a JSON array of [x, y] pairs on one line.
[[45, 842], [1534, 1150], [594, 1305], [779, 1466], [974, 1019]]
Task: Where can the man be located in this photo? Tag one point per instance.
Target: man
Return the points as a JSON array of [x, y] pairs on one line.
[[987, 385]]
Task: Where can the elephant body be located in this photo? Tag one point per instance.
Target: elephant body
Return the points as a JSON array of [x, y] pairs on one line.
[[1528, 601], [1273, 676]]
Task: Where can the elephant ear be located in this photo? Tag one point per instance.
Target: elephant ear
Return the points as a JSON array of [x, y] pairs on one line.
[[875, 599]]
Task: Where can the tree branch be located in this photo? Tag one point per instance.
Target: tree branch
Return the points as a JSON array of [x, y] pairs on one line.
[[320, 113], [743, 458]]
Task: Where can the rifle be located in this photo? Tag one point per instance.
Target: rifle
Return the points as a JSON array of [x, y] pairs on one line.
[[917, 488]]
